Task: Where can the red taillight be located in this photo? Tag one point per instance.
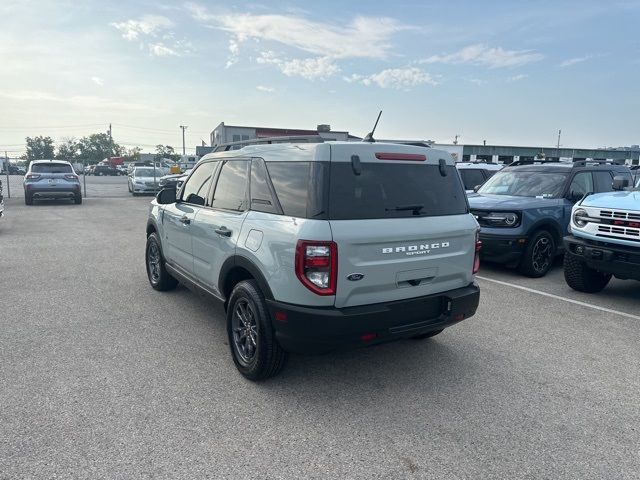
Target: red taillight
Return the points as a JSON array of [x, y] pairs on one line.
[[476, 259], [411, 157], [317, 266], [33, 175], [71, 176]]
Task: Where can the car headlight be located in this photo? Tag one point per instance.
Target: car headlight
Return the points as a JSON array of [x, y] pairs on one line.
[[580, 218], [502, 219]]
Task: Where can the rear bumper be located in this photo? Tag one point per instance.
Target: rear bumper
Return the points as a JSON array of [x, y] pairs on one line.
[[57, 192], [502, 248], [319, 330], [621, 261]]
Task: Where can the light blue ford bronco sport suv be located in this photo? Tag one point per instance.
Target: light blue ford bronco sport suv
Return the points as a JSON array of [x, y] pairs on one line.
[[604, 240], [319, 246]]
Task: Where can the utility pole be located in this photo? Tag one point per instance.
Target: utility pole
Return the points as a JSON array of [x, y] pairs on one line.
[[6, 157], [183, 127], [455, 140], [110, 140], [559, 133]]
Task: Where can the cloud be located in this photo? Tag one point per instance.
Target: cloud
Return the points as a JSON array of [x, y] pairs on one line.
[[145, 25], [492, 57], [81, 101], [396, 78], [364, 37], [98, 81], [477, 81], [517, 78], [573, 61], [262, 88], [160, 50], [310, 68]]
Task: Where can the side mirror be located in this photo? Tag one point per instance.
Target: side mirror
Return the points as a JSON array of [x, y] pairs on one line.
[[166, 196], [620, 183], [575, 197], [476, 188]]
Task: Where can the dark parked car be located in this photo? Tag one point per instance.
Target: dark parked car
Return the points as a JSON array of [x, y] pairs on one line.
[[104, 170], [51, 179], [524, 209]]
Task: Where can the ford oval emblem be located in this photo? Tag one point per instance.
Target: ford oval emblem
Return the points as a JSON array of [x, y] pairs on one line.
[[354, 277]]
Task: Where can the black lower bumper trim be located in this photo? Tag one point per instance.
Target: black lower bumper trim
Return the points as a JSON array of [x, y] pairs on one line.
[[621, 261], [317, 330]]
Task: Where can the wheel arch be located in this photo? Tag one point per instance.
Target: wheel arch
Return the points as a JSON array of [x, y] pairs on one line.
[[551, 227], [238, 268]]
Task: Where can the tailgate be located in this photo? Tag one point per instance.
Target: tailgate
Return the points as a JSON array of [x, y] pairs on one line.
[[384, 260]]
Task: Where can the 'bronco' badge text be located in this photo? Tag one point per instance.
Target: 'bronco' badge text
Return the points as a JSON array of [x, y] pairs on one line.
[[421, 249]]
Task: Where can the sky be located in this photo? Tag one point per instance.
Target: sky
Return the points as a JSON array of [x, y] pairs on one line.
[[508, 72]]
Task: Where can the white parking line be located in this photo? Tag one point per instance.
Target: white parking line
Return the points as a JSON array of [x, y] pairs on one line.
[[557, 297]]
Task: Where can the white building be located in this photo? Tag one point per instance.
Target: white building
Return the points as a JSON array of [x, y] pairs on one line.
[[235, 133]]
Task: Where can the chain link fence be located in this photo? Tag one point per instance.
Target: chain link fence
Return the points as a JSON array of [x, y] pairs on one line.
[[92, 186]]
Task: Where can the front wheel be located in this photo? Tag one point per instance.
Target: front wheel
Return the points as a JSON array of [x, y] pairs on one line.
[[581, 277], [254, 348], [157, 273], [539, 255], [78, 199], [28, 199]]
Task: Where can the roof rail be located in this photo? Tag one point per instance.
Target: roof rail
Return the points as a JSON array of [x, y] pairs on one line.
[[583, 163], [224, 147], [532, 162]]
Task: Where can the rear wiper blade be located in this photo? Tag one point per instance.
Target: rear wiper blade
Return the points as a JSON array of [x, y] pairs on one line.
[[415, 208]]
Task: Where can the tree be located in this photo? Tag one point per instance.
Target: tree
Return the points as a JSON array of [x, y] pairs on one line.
[[167, 151], [133, 154], [67, 150], [97, 147], [39, 148]]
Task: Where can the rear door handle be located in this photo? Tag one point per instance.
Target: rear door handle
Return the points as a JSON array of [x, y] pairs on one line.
[[185, 220], [224, 231]]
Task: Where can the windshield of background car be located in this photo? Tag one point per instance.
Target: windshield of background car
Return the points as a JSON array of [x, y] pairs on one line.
[[51, 168], [519, 183], [145, 172], [385, 190]]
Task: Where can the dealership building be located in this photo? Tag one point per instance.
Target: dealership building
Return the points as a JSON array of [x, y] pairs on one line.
[[506, 154]]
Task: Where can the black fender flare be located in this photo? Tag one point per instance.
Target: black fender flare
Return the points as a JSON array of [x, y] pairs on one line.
[[243, 262]]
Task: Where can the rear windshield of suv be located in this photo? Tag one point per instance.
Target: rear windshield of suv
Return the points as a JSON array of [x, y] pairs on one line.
[[51, 168], [385, 190]]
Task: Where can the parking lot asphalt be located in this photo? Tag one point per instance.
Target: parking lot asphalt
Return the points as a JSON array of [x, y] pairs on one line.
[[103, 377]]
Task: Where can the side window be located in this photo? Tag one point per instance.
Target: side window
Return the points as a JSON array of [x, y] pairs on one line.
[[231, 188], [291, 182], [197, 186], [471, 178], [261, 198], [582, 183], [604, 181]]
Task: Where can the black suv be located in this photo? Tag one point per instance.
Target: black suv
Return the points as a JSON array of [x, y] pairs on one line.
[[104, 170], [524, 209]]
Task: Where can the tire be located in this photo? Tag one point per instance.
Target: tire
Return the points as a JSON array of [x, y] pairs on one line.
[[581, 277], [78, 199], [539, 255], [157, 273], [424, 336], [129, 186], [28, 199], [254, 348]]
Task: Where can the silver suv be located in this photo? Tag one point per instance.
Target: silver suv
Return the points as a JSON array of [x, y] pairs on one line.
[[316, 247], [51, 179]]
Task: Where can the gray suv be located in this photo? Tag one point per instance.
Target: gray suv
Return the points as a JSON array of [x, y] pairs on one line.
[[51, 179], [316, 247]]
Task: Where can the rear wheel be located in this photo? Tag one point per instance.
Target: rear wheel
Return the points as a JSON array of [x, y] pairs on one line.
[[582, 278], [157, 273], [423, 336], [254, 348], [539, 255], [28, 199], [78, 199]]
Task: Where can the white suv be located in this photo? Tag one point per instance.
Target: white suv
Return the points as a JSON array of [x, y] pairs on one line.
[[315, 247]]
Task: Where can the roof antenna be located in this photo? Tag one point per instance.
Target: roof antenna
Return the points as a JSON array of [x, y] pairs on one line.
[[369, 137]]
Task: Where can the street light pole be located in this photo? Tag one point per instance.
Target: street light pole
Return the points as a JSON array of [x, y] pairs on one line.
[[183, 127]]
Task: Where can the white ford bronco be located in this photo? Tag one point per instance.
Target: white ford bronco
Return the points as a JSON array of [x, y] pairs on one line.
[[322, 246]]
